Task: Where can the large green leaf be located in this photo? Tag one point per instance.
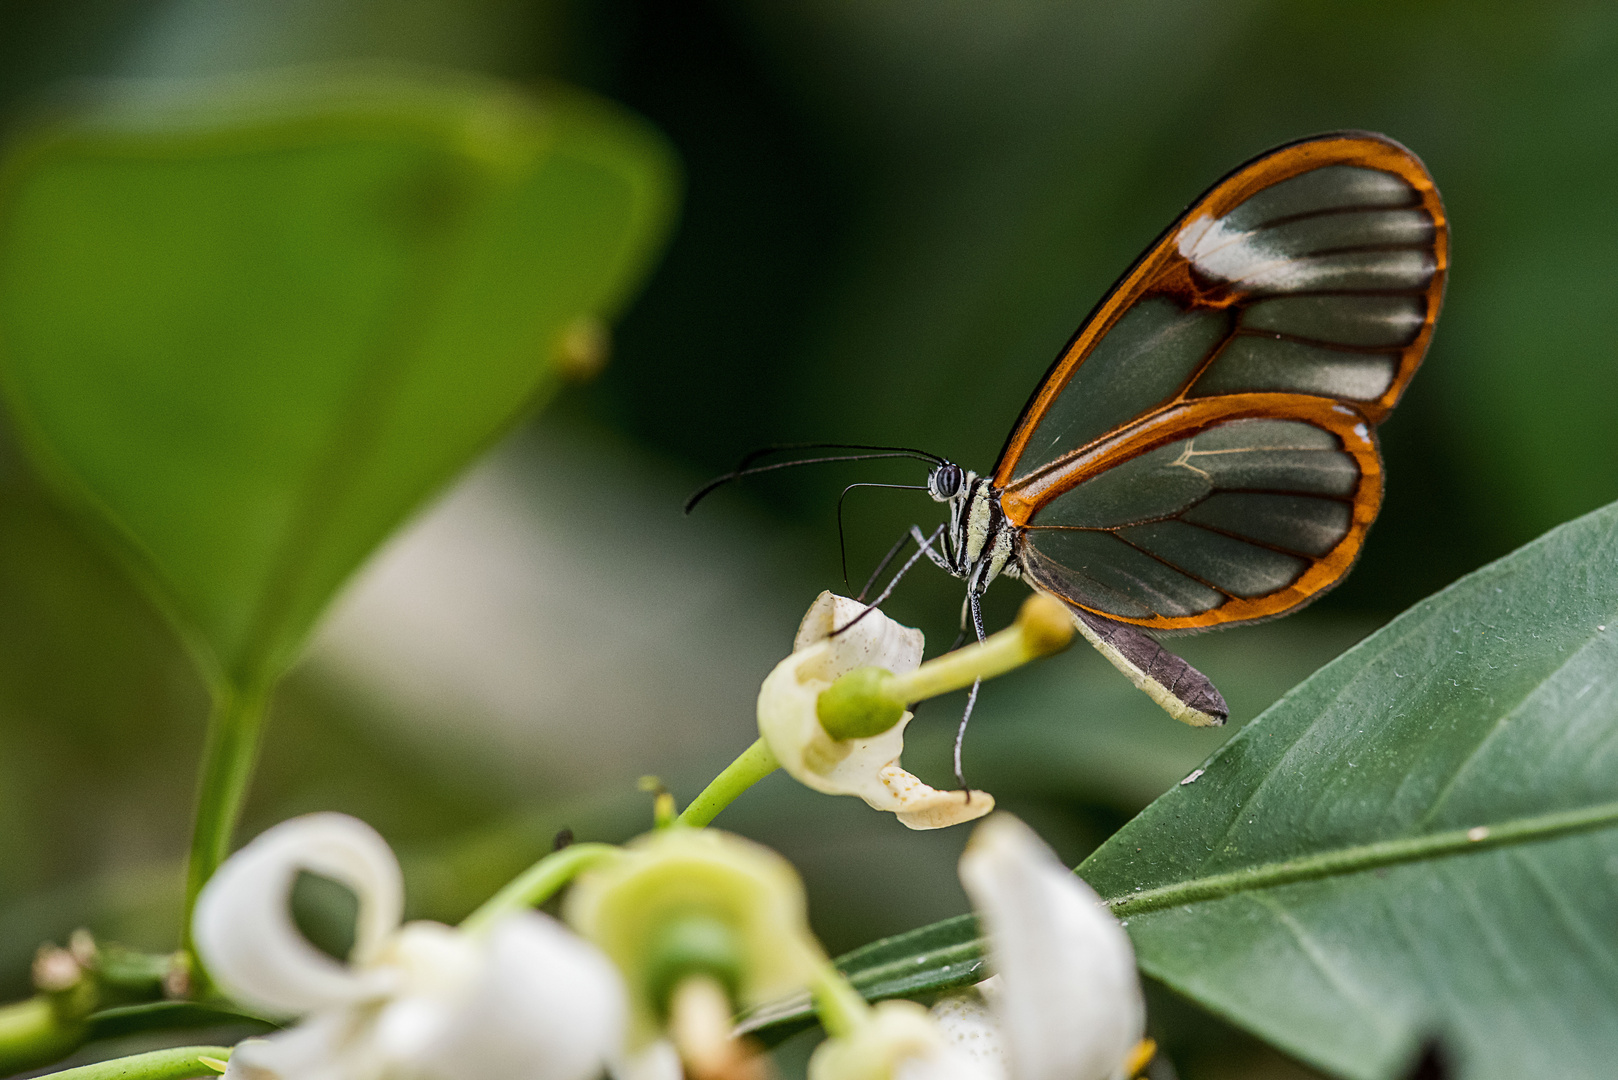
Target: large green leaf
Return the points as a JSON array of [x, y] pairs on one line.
[[1403, 845], [1415, 841], [250, 326]]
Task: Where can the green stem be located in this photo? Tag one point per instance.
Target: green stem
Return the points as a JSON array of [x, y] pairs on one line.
[[537, 884], [841, 1008], [1365, 857], [35, 1032], [1004, 651], [180, 1063], [227, 766], [754, 764]]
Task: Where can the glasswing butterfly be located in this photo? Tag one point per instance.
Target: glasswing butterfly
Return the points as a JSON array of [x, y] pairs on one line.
[[1201, 453]]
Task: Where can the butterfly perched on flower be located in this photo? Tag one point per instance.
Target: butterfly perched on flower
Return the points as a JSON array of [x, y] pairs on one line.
[[1202, 452]]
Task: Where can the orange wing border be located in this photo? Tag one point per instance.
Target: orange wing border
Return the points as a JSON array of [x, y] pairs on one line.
[[1191, 418], [1163, 271]]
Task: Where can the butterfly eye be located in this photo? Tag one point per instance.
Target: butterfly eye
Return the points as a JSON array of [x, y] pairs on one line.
[[945, 482]]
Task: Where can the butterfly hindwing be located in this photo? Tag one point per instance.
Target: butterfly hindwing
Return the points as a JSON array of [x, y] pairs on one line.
[[1202, 453]]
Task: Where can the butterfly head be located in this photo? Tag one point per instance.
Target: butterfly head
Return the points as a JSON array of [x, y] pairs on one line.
[[945, 481]]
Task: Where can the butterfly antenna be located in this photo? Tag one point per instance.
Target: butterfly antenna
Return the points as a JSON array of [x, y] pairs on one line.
[[776, 448], [745, 467], [842, 547]]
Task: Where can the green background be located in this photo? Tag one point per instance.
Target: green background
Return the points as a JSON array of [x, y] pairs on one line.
[[893, 216]]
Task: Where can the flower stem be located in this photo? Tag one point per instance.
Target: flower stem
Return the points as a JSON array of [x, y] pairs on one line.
[[840, 1006], [1043, 627], [227, 766], [754, 764], [180, 1063], [537, 884]]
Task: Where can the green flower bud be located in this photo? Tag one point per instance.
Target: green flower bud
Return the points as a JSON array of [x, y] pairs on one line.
[[860, 704]]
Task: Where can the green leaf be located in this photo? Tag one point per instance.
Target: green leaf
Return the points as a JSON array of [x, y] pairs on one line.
[[1415, 841], [249, 326], [917, 963]]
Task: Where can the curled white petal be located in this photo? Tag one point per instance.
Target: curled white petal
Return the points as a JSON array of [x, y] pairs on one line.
[[1069, 1000], [243, 922], [868, 768], [874, 641], [544, 1005]]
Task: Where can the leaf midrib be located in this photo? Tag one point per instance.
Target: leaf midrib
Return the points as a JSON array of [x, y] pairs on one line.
[[1366, 857], [960, 954]]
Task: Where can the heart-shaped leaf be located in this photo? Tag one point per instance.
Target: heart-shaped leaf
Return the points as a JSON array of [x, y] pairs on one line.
[[249, 326], [1416, 841]]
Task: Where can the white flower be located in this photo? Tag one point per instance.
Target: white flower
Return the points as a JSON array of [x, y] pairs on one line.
[[421, 1001], [866, 767], [1065, 1003], [898, 1042]]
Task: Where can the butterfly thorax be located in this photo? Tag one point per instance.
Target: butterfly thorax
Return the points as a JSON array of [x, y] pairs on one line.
[[980, 543]]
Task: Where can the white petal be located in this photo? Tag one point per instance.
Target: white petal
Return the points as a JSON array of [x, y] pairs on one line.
[[940, 1065], [920, 806], [659, 1061], [435, 965], [1070, 1004], [874, 641], [331, 1046], [899, 1041], [252, 1059], [545, 1005], [431, 958], [243, 922], [972, 1027]]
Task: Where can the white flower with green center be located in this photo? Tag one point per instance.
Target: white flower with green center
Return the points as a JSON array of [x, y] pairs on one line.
[[868, 767], [693, 917], [527, 1000]]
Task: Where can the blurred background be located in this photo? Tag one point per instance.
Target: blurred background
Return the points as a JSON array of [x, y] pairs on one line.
[[894, 215]]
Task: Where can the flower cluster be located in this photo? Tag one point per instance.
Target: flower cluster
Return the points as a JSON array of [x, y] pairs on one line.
[[414, 1000], [669, 937]]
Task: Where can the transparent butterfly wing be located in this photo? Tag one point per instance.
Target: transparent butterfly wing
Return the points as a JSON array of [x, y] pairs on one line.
[[1202, 452]]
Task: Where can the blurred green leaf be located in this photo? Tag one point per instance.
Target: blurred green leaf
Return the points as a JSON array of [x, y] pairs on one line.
[[1416, 841], [248, 326]]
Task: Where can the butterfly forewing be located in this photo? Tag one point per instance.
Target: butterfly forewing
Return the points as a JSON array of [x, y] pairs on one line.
[[1201, 453]]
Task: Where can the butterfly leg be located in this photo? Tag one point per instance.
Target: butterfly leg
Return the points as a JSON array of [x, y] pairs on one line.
[[975, 604], [926, 547], [893, 553], [937, 557]]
